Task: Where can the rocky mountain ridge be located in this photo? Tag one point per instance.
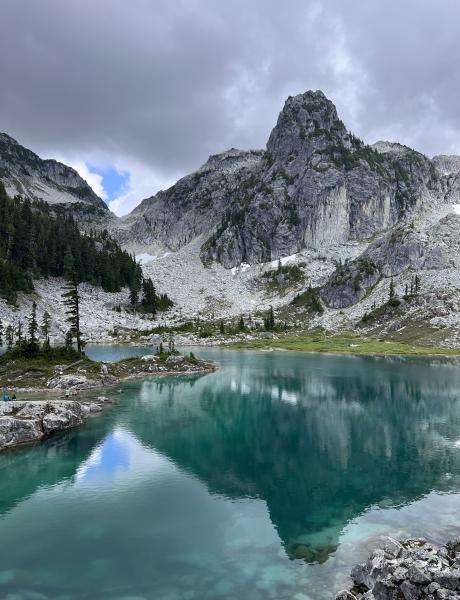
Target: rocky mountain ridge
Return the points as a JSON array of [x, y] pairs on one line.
[[24, 173], [350, 216]]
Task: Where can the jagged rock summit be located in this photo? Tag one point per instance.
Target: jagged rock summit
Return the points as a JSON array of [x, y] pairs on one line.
[[316, 185]]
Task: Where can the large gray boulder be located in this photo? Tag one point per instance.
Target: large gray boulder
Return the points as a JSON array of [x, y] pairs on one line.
[[62, 416], [14, 431], [22, 422]]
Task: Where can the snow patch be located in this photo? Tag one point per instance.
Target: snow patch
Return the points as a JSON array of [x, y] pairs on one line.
[[284, 261], [145, 258]]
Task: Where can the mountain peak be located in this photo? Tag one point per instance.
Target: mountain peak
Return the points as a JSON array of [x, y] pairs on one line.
[[7, 139], [307, 122]]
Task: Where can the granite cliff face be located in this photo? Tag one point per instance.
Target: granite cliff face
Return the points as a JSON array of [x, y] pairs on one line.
[[24, 172], [316, 185], [193, 206]]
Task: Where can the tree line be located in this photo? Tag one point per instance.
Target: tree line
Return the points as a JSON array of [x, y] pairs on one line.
[[37, 240]]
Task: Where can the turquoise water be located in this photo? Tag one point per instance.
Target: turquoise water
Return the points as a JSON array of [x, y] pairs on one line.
[[266, 479]]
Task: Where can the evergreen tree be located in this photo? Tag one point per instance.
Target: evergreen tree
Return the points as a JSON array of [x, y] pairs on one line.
[[71, 299], [33, 326], [69, 340], [9, 336], [19, 332], [1, 333], [134, 290], [417, 285], [269, 320], [222, 328], [68, 264], [241, 323], [45, 327], [171, 343], [149, 299], [391, 293]]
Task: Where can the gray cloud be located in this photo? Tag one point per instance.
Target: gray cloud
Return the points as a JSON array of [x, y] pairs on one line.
[[155, 87]]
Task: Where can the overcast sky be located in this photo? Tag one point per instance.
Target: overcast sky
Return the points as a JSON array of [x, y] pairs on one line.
[[136, 93]]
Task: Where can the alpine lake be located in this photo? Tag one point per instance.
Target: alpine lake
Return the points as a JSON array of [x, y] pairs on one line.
[[268, 479]]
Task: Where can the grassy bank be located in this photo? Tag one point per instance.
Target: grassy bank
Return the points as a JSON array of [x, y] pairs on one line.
[[343, 344]]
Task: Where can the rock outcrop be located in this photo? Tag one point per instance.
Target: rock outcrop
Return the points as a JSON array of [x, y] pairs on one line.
[[407, 570], [406, 248], [23, 422]]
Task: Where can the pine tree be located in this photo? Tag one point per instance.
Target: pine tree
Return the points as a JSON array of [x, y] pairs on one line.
[[241, 323], [69, 263], [33, 326], [71, 299], [171, 343], [69, 340], [1, 333], [134, 293], [391, 293], [417, 285], [9, 336], [45, 327], [19, 332], [222, 328], [149, 299], [269, 320]]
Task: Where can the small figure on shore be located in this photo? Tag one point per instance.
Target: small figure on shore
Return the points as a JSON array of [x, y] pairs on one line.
[[14, 397], [6, 397], [67, 393]]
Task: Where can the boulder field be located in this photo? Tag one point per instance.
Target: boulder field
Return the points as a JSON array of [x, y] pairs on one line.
[[407, 570]]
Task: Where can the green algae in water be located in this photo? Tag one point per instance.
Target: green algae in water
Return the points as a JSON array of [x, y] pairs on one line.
[[266, 479]]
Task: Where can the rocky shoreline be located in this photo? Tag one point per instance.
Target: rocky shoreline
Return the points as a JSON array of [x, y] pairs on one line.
[[407, 570], [27, 421], [24, 421], [84, 374]]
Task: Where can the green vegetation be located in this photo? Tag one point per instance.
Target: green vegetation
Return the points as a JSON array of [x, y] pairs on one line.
[[395, 305], [350, 158], [309, 300], [151, 302], [343, 344], [284, 276], [37, 242]]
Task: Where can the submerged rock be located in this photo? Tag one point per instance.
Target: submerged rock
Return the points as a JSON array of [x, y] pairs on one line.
[[407, 570]]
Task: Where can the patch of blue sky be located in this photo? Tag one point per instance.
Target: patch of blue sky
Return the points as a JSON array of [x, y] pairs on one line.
[[114, 182]]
